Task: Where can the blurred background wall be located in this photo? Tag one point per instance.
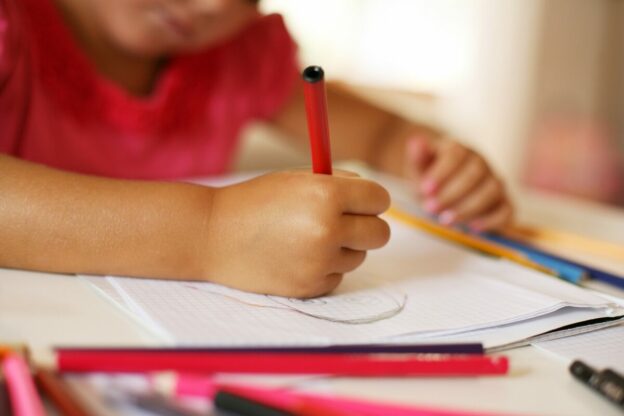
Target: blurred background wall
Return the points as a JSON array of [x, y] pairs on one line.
[[536, 85], [577, 140]]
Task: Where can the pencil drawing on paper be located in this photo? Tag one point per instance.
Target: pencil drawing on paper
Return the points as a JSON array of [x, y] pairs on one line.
[[359, 300], [355, 308]]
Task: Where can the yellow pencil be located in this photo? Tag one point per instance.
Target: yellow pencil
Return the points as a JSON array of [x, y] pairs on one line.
[[467, 240], [533, 235]]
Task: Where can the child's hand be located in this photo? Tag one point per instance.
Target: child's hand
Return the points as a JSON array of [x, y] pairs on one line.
[[293, 233], [457, 185]]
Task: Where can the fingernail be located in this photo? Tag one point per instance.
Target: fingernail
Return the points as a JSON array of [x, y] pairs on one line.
[[428, 186], [447, 217], [432, 206], [476, 226]]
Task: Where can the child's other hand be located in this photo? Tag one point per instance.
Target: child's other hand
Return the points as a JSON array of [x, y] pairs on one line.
[[457, 185], [293, 233]]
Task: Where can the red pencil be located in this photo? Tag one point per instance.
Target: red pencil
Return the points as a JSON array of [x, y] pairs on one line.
[[318, 125], [286, 363]]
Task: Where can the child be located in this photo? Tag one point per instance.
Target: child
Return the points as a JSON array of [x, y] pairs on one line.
[[96, 96]]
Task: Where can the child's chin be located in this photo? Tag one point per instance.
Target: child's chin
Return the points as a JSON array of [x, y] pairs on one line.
[[154, 48], [146, 47]]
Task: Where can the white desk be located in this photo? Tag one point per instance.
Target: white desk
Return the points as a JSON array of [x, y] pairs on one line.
[[45, 310]]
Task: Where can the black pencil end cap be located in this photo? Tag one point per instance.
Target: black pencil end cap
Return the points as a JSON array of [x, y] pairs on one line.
[[313, 73]]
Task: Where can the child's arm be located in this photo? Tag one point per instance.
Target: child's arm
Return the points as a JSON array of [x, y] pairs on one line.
[[289, 233], [63, 222], [455, 181]]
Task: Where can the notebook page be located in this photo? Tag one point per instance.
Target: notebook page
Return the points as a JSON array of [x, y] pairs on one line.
[[600, 349], [447, 290]]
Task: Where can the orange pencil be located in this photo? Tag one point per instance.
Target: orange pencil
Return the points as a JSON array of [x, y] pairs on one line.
[[8, 349]]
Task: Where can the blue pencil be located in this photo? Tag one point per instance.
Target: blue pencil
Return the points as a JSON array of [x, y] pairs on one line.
[[567, 269], [564, 270]]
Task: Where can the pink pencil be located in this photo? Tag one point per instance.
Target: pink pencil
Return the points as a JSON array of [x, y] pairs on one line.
[[311, 404], [24, 398]]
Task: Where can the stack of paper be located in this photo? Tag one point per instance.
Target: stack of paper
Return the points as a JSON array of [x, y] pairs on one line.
[[600, 349], [416, 289]]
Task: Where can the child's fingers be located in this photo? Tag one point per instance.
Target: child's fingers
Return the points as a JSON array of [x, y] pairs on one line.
[[449, 157], [496, 219], [364, 232], [336, 172], [348, 260], [480, 200], [324, 286], [345, 173], [419, 154], [364, 197], [464, 180]]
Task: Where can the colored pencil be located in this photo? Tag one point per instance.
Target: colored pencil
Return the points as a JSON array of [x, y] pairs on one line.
[[5, 404], [467, 240], [565, 270], [558, 261], [316, 114], [457, 348], [9, 349], [55, 388], [287, 363], [22, 391], [312, 404]]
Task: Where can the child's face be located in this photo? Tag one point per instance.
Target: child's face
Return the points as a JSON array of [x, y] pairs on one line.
[[160, 27]]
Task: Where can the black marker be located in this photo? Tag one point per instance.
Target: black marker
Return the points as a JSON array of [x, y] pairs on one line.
[[608, 383]]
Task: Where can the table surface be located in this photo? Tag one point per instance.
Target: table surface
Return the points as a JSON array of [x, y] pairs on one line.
[[50, 309], [46, 310]]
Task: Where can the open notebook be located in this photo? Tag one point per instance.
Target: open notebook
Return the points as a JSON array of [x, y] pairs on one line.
[[416, 289]]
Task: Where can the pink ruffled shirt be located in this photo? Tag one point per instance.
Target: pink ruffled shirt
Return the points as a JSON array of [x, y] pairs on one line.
[[57, 110]]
